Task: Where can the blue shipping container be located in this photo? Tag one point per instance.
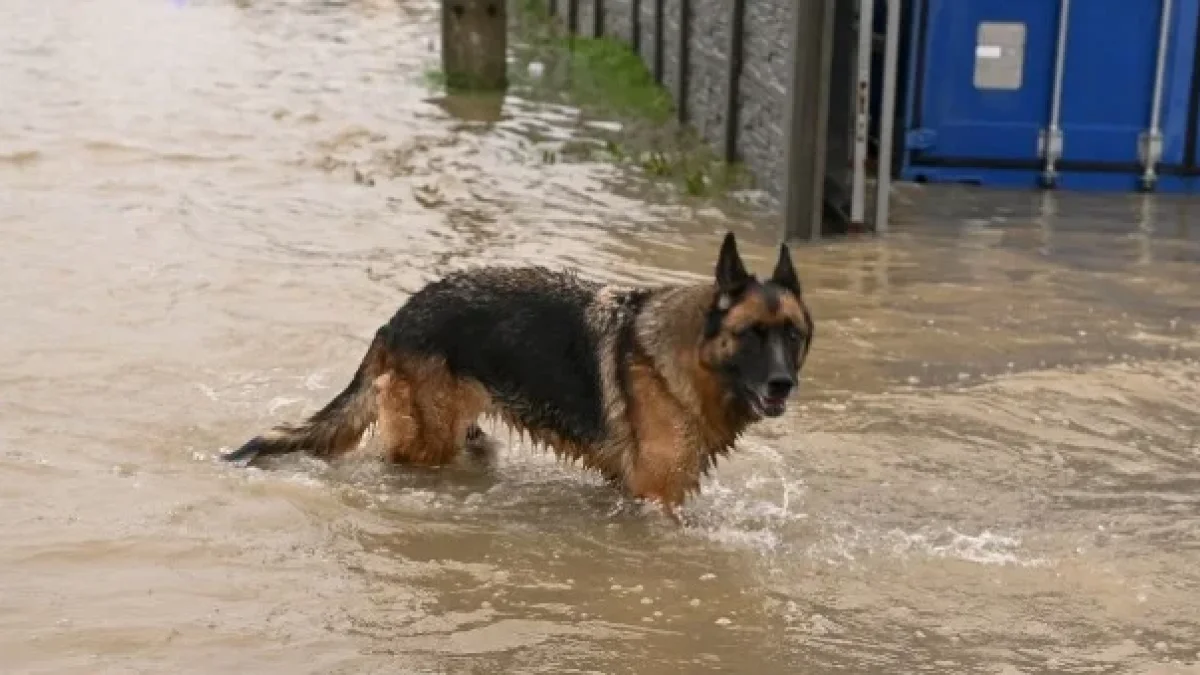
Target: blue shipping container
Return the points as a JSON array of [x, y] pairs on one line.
[[980, 81]]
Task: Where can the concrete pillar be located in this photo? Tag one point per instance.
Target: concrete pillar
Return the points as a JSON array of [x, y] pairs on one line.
[[808, 119], [475, 44]]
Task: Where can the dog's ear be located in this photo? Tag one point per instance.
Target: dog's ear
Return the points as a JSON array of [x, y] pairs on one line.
[[731, 274], [784, 274]]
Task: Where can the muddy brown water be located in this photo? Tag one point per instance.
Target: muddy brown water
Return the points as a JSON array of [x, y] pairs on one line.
[[993, 466]]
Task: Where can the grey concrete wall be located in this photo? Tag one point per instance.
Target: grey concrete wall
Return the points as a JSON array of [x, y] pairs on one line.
[[708, 79], [585, 17], [646, 46], [766, 72], [670, 35], [618, 19]]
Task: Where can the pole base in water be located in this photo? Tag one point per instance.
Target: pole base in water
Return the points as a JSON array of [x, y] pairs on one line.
[[475, 44]]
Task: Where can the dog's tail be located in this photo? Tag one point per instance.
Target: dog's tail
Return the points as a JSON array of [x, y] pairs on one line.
[[332, 430]]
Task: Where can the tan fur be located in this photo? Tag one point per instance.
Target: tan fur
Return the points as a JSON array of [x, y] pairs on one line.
[[665, 466], [680, 412], [753, 309], [424, 411]]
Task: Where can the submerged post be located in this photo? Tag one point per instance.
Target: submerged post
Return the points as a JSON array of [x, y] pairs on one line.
[[808, 119], [887, 117], [475, 44]]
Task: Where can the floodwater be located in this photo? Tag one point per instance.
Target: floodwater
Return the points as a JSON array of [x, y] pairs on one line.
[[208, 208]]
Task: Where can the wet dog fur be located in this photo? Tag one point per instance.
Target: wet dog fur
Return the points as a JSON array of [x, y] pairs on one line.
[[648, 386]]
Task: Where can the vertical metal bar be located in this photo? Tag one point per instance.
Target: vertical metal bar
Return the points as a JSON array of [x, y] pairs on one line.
[[862, 111], [658, 41], [822, 79], [635, 25], [1151, 142], [808, 116], [685, 26], [573, 17], [597, 18], [737, 23], [1051, 140], [887, 116]]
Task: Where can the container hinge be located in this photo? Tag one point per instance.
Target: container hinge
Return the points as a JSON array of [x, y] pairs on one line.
[[1050, 144], [920, 139], [1150, 148]]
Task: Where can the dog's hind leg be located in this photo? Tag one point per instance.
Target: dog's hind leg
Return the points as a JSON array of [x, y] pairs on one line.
[[430, 414], [398, 426]]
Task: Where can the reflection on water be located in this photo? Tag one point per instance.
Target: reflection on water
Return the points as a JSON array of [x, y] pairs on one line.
[[208, 207]]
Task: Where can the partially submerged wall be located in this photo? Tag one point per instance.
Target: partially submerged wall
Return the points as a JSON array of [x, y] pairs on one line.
[[698, 34]]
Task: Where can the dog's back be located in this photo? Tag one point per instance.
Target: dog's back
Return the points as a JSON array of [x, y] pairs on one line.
[[527, 335]]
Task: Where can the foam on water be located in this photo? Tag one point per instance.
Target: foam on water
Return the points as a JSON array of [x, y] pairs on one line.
[[986, 547], [849, 543], [751, 515]]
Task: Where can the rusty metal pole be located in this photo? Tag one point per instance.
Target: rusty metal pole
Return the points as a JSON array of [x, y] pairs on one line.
[[475, 44], [862, 111]]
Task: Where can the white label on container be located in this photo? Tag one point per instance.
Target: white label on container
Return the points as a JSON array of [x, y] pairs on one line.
[[989, 51]]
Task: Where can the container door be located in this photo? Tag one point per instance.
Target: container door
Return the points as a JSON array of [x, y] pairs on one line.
[[984, 74], [1191, 141], [1112, 46]]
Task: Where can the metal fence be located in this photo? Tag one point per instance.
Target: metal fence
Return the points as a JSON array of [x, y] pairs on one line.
[[780, 85]]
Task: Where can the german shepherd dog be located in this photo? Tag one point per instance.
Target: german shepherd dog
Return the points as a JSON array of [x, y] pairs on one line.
[[646, 385]]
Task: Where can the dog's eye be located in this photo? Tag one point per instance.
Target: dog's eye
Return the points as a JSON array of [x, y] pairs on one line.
[[792, 332], [753, 330]]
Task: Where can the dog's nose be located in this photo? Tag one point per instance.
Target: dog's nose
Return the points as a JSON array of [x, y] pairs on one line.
[[780, 387]]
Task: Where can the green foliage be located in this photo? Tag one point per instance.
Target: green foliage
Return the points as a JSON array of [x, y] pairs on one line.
[[606, 74], [607, 80], [435, 78]]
